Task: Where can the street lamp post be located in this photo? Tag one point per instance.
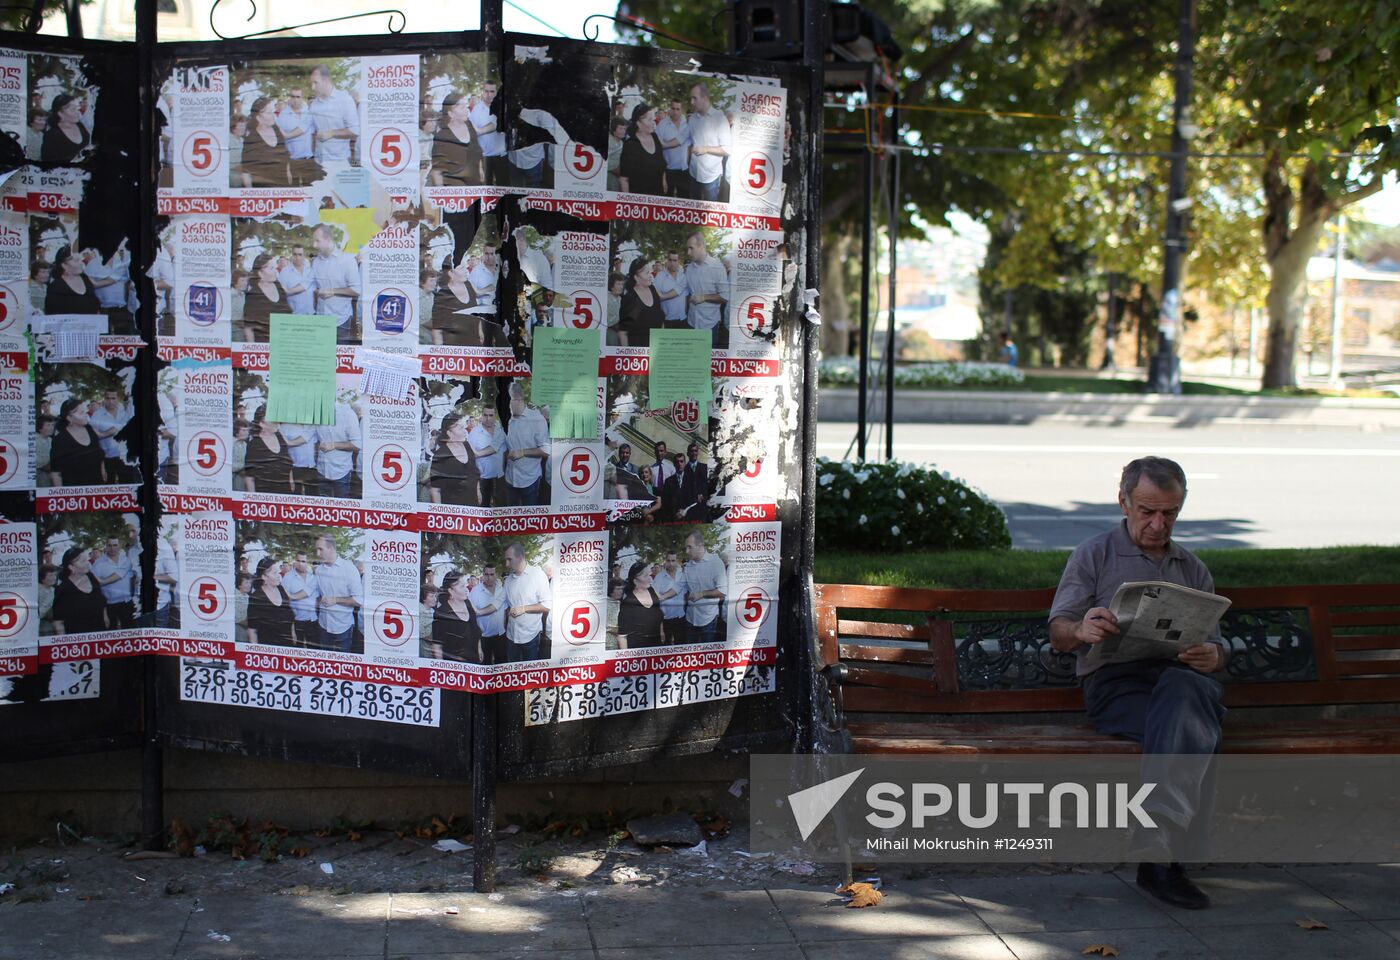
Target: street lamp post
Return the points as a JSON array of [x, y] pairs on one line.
[[1164, 372]]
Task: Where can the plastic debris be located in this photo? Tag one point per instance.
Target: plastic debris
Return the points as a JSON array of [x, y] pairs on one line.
[[327, 868], [737, 787], [218, 937], [451, 846]]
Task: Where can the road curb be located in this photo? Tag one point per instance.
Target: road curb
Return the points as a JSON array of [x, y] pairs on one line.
[[838, 405]]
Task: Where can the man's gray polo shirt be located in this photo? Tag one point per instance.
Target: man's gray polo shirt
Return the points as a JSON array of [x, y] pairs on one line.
[[1100, 565]]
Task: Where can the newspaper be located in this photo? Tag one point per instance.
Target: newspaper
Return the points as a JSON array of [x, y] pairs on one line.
[[1157, 621]]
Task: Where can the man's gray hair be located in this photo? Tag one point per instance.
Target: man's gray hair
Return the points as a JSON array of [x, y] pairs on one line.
[[1162, 473]]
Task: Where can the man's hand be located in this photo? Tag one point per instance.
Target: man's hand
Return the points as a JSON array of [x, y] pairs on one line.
[[1097, 626], [1204, 657]]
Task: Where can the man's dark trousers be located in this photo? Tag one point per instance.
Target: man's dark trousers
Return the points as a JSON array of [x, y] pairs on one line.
[[1174, 712]]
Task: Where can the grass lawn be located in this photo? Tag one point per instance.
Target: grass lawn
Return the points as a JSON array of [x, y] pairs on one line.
[[1028, 569]]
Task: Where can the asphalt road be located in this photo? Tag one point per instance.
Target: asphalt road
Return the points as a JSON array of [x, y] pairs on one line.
[[1262, 486]]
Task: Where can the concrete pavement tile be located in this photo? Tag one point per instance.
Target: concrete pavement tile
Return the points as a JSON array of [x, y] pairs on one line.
[[1371, 891], [504, 953], [1390, 928], [915, 909], [984, 947], [1165, 943], [672, 917], [771, 951], [1068, 902], [94, 930], [1343, 940], [517, 920], [318, 925], [1256, 894]]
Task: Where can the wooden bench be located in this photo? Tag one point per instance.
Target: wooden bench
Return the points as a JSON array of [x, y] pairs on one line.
[[1312, 669]]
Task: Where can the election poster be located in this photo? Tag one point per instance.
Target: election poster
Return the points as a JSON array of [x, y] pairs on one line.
[[452, 518]]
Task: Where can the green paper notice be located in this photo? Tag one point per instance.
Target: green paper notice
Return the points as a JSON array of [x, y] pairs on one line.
[[301, 369], [564, 377], [679, 369]]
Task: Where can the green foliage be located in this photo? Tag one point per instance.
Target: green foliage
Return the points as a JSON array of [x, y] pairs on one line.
[[900, 506]]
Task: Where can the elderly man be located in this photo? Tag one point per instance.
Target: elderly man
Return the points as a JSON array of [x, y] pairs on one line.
[[1170, 707]]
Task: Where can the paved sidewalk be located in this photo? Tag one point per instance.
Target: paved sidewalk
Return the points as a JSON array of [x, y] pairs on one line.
[[612, 908]]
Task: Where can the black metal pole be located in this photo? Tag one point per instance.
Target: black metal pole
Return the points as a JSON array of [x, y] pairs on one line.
[[814, 33], [867, 160], [894, 210], [152, 759], [483, 717], [1164, 375], [484, 708]]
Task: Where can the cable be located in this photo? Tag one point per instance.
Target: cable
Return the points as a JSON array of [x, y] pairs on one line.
[[520, 9]]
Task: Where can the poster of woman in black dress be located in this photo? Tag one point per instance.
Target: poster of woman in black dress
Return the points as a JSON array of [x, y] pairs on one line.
[[454, 475], [262, 299], [456, 159], [78, 604], [266, 160], [70, 290], [65, 138], [642, 168], [267, 466], [640, 312], [456, 633], [76, 458], [639, 611], [270, 614], [455, 294]]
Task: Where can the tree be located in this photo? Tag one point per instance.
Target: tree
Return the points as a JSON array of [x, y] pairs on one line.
[[1315, 92]]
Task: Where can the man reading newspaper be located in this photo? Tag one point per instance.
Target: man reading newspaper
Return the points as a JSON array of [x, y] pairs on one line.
[[1170, 706]]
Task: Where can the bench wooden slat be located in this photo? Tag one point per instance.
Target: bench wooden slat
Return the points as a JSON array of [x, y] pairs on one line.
[[1367, 641], [863, 678], [1365, 668], [858, 653], [866, 629], [1366, 618]]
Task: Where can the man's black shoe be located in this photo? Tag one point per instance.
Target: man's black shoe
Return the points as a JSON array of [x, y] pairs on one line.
[[1171, 885]]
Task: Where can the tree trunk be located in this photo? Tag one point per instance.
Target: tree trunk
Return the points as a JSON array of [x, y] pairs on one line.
[[835, 339], [1288, 269]]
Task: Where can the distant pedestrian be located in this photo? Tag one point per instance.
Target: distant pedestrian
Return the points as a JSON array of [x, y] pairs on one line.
[[1009, 353]]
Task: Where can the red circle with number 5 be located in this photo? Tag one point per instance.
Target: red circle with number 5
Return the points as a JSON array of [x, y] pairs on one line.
[[580, 624], [393, 624], [584, 311], [579, 469], [206, 597], [754, 313], [200, 153], [751, 609], [757, 173], [390, 151], [14, 614], [11, 307], [582, 160], [205, 453], [392, 466], [9, 460]]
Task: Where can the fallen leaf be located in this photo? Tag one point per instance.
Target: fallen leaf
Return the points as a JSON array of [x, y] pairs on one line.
[[1100, 949], [558, 826], [1308, 923], [439, 827], [356, 836], [299, 852], [861, 895]]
